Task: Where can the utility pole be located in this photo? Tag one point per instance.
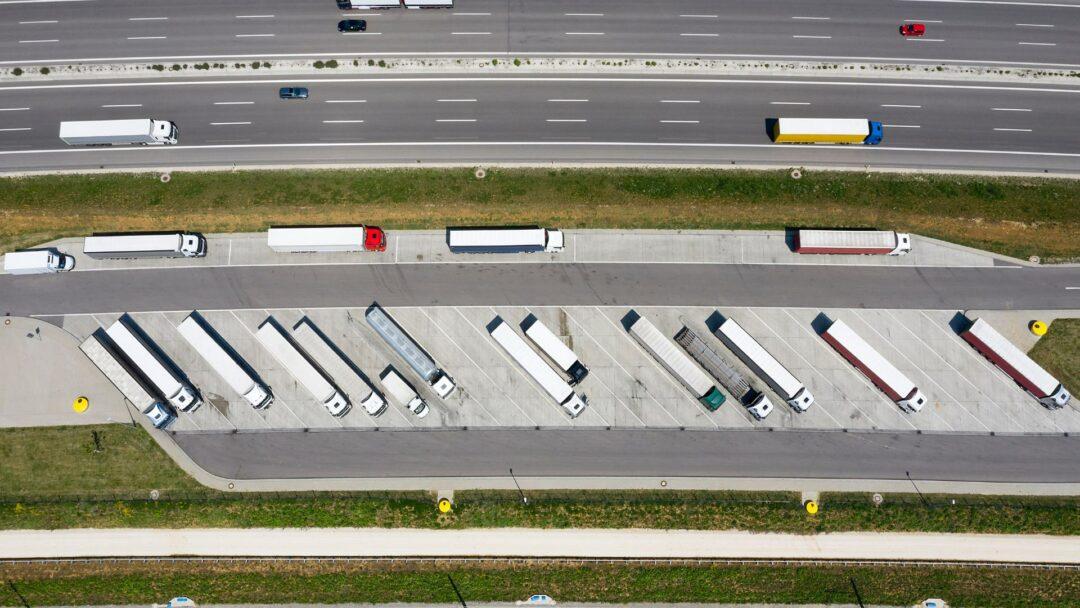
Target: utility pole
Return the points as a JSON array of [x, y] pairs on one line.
[[452, 584], [524, 500], [22, 598], [926, 503], [858, 596]]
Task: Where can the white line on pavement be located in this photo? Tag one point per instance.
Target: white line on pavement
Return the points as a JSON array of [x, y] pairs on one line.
[[926, 40], [336, 122], [1005, 2], [455, 120], [702, 35], [566, 120], [455, 100], [33, 41], [568, 100], [471, 14], [680, 101], [701, 16], [255, 16], [814, 37], [234, 103], [898, 105], [15, 129], [922, 21], [37, 22], [903, 126], [346, 101], [13, 109], [148, 18], [1015, 130], [471, 33], [218, 124], [789, 103], [122, 105], [361, 33], [1033, 25], [1071, 288], [255, 35], [680, 122], [584, 33], [1037, 43], [146, 37], [1011, 109], [813, 18], [583, 14]]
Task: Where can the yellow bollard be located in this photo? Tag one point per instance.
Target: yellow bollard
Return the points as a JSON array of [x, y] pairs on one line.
[[811, 507], [1038, 328], [80, 404], [444, 505]]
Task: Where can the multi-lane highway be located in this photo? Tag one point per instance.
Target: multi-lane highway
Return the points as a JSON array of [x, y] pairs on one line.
[[1018, 32], [532, 118], [262, 287]]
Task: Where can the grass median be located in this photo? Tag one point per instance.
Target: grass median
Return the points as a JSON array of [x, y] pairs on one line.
[[1059, 352], [1014, 216], [313, 582], [59, 478]]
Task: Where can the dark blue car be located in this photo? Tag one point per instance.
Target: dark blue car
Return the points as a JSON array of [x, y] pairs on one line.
[[293, 93]]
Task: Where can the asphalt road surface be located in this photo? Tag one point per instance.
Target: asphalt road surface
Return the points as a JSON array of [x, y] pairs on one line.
[[623, 453], [628, 285], [968, 31], [542, 118]]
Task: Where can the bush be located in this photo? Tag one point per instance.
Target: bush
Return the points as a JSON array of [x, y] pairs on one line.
[[332, 63], [319, 64], [517, 62], [44, 70], [255, 65], [17, 71], [382, 64], [158, 67], [175, 67], [266, 64], [202, 66], [371, 62]]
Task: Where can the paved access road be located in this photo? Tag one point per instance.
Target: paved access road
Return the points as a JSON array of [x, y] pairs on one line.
[[530, 284], [518, 542], [635, 453], [970, 31], [543, 118]]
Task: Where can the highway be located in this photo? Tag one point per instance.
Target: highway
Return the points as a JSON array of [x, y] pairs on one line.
[[529, 284], [544, 118], [1019, 32], [635, 453]]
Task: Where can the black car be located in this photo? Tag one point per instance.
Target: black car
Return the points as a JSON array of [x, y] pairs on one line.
[[344, 4], [352, 25]]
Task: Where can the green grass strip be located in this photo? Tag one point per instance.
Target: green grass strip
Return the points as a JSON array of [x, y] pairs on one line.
[[1059, 352]]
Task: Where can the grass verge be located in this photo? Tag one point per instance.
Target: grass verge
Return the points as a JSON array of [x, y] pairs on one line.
[[53, 478], [1059, 352], [357, 582], [1013, 216]]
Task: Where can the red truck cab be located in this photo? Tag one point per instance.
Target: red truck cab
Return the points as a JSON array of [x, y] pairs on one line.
[[374, 238]]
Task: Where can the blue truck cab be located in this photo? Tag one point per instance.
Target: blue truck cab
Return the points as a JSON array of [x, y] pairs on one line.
[[876, 134]]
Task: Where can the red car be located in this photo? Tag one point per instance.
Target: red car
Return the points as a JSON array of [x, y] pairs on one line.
[[912, 29]]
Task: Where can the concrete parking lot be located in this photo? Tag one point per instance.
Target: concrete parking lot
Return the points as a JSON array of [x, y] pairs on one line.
[[626, 387]]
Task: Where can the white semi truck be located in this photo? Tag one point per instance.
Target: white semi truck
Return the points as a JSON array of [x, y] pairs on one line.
[[754, 355], [198, 334], [325, 239], [147, 361], [1016, 364], [553, 347], [327, 355], [273, 338], [404, 345], [877, 368], [677, 363], [37, 261], [548, 379], [859, 242], [145, 245], [98, 349], [404, 394], [755, 401], [142, 131], [524, 239]]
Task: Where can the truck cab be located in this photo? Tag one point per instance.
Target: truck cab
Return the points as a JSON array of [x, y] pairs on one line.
[[876, 134], [194, 246], [374, 238], [160, 415]]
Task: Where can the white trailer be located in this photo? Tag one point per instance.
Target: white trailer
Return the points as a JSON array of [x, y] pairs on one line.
[[859, 242], [756, 402], [142, 131], [147, 360], [327, 355], [198, 334], [146, 245], [97, 349], [404, 345], [322, 239], [1016, 364], [754, 355], [877, 368], [37, 261], [404, 394], [553, 347], [548, 379], [677, 363], [297, 363], [429, 3], [368, 4], [524, 239]]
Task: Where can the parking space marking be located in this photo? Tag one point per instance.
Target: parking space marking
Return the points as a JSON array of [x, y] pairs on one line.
[[608, 355], [287, 372], [798, 354], [477, 366], [847, 365], [682, 390]]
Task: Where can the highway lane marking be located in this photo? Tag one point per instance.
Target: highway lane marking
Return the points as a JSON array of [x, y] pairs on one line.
[[471, 14], [584, 33], [1037, 43], [39, 1], [346, 101], [1010, 109], [255, 16], [1004, 2], [813, 18], [680, 122], [234, 103], [1071, 288], [147, 37], [903, 126], [583, 14], [122, 105], [700, 16], [455, 120], [15, 129], [255, 35], [898, 105], [219, 124], [566, 120], [1033, 25], [38, 22], [148, 18], [704, 35], [13, 109], [496, 53], [36, 41], [680, 101], [568, 100], [923, 21], [336, 122], [789, 103], [455, 100], [926, 40], [1015, 130], [360, 34], [813, 37], [471, 33]]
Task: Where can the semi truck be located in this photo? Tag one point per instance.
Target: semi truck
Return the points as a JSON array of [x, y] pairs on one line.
[[548, 379], [865, 242], [428, 3], [367, 4], [524, 239], [553, 347], [1016, 364], [877, 368], [142, 131], [410, 351], [754, 355], [327, 355], [404, 394], [827, 131], [298, 239], [755, 401], [677, 363], [274, 339], [37, 261], [145, 245], [207, 343], [147, 361], [98, 349]]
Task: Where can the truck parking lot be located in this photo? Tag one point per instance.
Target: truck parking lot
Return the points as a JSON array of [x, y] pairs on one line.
[[625, 386]]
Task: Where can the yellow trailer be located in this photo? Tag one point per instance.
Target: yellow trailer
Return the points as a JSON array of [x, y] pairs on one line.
[[826, 131]]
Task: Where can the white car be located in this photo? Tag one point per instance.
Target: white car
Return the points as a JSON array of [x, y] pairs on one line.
[[537, 600], [181, 602]]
